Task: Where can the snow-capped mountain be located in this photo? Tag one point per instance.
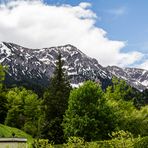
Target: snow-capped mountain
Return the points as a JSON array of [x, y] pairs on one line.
[[36, 66], [137, 78]]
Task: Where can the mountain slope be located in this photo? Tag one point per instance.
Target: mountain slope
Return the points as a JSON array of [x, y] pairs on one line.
[[137, 78], [36, 67]]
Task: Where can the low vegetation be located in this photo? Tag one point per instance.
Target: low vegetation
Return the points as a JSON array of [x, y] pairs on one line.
[[10, 132]]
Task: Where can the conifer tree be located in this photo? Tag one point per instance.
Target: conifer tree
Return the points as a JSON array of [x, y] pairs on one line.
[[3, 101], [56, 100], [2, 76]]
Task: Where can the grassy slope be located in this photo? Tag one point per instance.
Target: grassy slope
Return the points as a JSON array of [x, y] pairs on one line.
[[6, 131]]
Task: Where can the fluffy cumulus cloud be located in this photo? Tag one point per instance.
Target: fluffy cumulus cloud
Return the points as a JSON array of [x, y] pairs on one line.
[[33, 24]]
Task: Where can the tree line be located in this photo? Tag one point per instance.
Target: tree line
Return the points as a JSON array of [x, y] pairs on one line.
[[62, 111]]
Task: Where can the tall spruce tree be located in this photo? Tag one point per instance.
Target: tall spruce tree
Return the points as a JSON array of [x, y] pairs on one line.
[[3, 100], [2, 76], [56, 102]]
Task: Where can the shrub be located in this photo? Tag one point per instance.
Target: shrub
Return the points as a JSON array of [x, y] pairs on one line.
[[121, 135], [141, 143], [41, 143], [77, 142], [74, 142]]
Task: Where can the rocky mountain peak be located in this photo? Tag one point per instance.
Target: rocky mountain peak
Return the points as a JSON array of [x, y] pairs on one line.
[[36, 66], [136, 77]]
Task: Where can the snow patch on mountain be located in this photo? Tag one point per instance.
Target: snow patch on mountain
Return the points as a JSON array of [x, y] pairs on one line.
[[137, 78], [37, 66], [4, 52]]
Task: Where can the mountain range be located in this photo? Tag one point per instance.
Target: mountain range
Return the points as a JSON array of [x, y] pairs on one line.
[[36, 66]]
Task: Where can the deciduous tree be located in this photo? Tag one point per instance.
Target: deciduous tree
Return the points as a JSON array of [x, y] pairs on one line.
[[24, 110], [88, 114]]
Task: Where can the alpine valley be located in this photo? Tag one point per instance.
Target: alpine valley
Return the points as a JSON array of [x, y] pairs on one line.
[[30, 67]]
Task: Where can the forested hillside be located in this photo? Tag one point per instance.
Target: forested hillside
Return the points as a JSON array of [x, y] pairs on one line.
[[63, 113]]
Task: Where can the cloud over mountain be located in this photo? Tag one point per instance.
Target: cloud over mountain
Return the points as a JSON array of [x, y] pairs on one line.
[[34, 24]]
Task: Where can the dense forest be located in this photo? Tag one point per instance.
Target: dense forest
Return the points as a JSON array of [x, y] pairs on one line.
[[86, 116]]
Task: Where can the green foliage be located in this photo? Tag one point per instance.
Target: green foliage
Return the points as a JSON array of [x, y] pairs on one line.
[[145, 96], [24, 110], [3, 100], [78, 142], [126, 143], [2, 77], [119, 90], [121, 135], [3, 107], [121, 139], [55, 100], [88, 114], [141, 143], [41, 143], [141, 99], [122, 110], [75, 142], [129, 118], [138, 121], [125, 138]]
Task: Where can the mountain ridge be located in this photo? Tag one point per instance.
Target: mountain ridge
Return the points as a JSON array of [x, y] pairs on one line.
[[37, 66]]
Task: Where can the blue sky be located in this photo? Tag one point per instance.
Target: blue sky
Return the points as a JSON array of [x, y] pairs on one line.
[[115, 32], [122, 19]]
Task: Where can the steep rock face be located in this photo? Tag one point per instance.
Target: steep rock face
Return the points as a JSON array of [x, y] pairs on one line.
[[37, 65], [137, 78]]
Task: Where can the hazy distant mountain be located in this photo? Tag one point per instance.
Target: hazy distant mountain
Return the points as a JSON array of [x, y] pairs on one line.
[[137, 78]]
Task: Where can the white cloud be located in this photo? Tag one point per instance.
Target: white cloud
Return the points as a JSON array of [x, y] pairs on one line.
[[85, 5], [129, 58], [34, 24], [144, 65]]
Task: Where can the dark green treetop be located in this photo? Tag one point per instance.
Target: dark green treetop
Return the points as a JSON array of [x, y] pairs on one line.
[[56, 101]]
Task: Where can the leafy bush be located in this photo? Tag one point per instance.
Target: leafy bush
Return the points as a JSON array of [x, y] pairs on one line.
[[41, 143], [115, 143], [121, 135], [77, 142], [74, 142], [122, 139], [141, 143]]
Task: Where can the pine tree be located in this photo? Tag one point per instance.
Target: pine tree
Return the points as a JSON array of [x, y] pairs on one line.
[[56, 100], [2, 76], [3, 100]]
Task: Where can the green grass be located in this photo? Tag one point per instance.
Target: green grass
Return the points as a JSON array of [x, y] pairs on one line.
[[6, 132]]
